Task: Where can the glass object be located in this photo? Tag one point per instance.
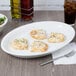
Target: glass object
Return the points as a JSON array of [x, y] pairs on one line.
[[69, 11], [26, 9], [15, 4]]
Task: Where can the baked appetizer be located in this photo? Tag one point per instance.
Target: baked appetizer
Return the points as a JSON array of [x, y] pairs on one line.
[[56, 37], [19, 44], [38, 46], [38, 34]]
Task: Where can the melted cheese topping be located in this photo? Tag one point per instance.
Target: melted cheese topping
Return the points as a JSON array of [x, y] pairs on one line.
[[38, 34], [56, 37], [38, 46], [19, 44]]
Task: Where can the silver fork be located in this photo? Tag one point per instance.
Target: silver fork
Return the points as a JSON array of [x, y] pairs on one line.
[[66, 55]]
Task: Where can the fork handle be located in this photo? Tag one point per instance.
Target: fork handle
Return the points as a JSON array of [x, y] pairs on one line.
[[47, 62]]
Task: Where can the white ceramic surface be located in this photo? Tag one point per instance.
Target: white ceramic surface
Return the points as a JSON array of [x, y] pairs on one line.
[[24, 31], [6, 20]]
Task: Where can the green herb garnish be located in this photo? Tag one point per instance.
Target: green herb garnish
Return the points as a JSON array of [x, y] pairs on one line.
[[2, 19]]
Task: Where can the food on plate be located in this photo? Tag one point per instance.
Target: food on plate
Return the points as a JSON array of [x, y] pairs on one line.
[[2, 19], [56, 37], [39, 46], [19, 44], [38, 34]]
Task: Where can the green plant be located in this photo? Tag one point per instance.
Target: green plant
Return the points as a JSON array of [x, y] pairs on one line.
[[2, 19]]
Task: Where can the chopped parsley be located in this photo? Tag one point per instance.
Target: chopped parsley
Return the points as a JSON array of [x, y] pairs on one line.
[[2, 19]]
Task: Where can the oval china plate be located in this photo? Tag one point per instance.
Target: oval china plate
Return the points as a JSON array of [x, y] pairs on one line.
[[24, 32]]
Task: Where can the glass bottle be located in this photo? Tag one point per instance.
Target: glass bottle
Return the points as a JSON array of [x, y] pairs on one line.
[[26, 9], [15, 10], [70, 11]]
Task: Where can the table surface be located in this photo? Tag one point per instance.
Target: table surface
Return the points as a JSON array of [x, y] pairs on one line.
[[12, 66]]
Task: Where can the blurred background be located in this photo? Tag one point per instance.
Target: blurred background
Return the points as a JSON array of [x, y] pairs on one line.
[[38, 4]]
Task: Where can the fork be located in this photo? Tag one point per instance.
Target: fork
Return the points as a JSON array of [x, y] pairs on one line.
[[66, 55]]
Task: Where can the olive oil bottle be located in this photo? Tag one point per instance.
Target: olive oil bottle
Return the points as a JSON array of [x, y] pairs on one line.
[[15, 9]]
